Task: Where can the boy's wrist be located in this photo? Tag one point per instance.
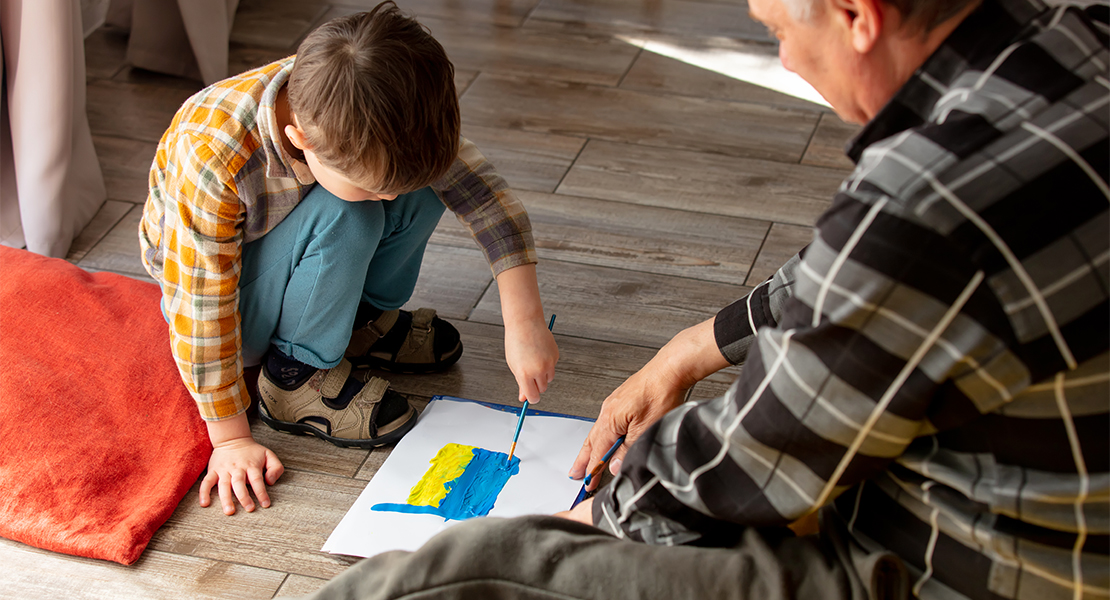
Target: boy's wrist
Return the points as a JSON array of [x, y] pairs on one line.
[[227, 430]]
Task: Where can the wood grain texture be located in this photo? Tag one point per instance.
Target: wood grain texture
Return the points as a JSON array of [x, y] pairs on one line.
[[700, 182], [567, 56], [286, 537], [118, 250], [373, 462], [508, 13], [706, 125], [102, 222], [783, 242], [299, 585], [125, 164], [826, 149], [713, 19], [563, 56], [640, 309], [527, 160], [243, 57], [463, 79], [278, 24], [634, 237], [33, 573], [452, 280], [138, 111], [715, 385], [588, 371]]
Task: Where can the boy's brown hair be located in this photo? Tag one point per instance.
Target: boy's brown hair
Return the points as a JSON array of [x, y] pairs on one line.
[[374, 94]]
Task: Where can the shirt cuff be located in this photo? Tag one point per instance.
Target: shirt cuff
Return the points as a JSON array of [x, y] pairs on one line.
[[224, 404]]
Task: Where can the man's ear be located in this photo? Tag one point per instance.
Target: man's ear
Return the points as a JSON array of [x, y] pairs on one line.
[[862, 20]]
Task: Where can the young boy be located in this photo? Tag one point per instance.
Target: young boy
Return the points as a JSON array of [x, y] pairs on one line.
[[288, 213]]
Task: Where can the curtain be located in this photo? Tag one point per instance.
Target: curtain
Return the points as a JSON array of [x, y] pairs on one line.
[[50, 180], [187, 38]]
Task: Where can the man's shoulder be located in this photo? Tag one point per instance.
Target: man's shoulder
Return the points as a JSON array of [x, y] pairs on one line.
[[1000, 122]]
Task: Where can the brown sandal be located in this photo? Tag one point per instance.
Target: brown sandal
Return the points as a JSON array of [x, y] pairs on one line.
[[406, 342], [305, 410]]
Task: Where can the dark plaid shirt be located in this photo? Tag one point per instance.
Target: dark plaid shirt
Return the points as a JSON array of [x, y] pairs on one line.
[[935, 364]]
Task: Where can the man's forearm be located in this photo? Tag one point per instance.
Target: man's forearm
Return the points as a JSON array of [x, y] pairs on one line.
[[690, 356]]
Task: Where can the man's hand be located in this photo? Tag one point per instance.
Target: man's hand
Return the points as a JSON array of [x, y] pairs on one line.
[[633, 407], [650, 393], [583, 513], [236, 462]]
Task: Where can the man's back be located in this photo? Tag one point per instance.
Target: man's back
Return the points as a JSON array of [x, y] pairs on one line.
[[942, 366]]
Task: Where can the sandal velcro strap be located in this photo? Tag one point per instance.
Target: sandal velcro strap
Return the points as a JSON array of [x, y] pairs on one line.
[[418, 346], [336, 377], [364, 337], [371, 393]]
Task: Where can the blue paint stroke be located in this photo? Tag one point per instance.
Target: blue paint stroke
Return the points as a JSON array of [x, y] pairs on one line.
[[471, 494]]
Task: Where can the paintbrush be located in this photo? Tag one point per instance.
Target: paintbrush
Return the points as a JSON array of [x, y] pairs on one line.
[[524, 409], [583, 494]]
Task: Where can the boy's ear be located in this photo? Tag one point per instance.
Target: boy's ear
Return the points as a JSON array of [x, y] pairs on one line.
[[297, 137]]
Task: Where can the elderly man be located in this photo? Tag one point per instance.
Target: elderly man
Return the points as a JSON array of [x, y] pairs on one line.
[[932, 373]]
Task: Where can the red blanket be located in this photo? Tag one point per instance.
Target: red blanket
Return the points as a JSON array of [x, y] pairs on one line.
[[99, 439]]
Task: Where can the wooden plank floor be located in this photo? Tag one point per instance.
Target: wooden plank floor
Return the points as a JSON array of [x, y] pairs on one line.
[[659, 191]]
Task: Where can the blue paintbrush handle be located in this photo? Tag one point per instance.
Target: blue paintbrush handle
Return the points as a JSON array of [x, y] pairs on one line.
[[604, 460], [583, 494], [520, 421], [524, 409]]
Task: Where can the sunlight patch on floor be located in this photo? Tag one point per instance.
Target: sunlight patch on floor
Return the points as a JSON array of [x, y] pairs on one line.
[[758, 68]]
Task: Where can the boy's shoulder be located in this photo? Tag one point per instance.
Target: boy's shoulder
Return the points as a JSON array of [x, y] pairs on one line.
[[225, 115]]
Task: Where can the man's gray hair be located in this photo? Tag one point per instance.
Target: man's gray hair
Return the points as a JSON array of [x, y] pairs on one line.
[[924, 14]]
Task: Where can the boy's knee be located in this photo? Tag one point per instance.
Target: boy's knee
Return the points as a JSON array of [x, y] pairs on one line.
[[327, 214], [421, 209]]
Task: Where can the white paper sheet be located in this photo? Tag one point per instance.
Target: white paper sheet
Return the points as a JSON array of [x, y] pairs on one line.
[[547, 446]]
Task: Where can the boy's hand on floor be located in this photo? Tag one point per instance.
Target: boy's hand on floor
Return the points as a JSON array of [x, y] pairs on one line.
[[238, 461], [234, 465]]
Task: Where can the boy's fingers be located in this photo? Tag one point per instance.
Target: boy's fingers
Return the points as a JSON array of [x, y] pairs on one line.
[[239, 486], [226, 499], [529, 391], [274, 468], [258, 484], [206, 488]]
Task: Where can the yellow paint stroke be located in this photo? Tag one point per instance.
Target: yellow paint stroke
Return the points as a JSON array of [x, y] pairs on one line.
[[448, 464]]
